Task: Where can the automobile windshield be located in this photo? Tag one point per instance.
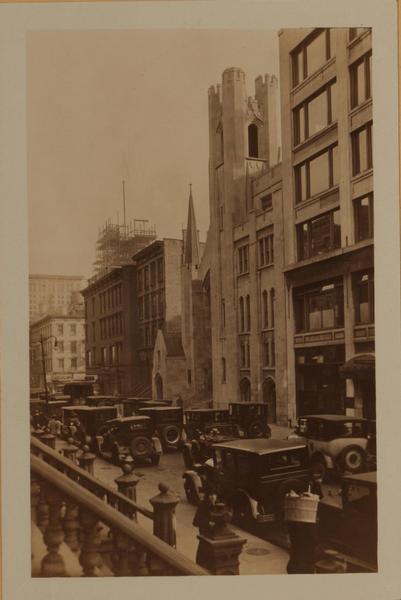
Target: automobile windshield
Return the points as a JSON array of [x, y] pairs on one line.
[[284, 460]]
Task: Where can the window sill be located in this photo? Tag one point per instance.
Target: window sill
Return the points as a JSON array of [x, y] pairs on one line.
[[316, 136], [317, 197], [360, 107], [363, 175], [242, 274], [355, 41], [262, 267], [307, 81]]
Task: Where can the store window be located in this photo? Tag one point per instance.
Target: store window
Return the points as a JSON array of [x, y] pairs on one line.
[[315, 114], [312, 54], [364, 297], [360, 80], [317, 174], [362, 149], [319, 307], [363, 215], [319, 235]]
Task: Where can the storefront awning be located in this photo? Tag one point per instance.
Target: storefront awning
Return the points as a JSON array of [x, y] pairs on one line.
[[359, 365]]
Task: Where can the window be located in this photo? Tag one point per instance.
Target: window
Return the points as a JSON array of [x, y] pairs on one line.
[[73, 329], [316, 175], [113, 355], [248, 313], [315, 114], [154, 306], [146, 302], [363, 215], [311, 55], [104, 356], [253, 141], [93, 305], [319, 235], [223, 313], [221, 217], [140, 280], [243, 259], [266, 353], [153, 274], [241, 314], [354, 32], [319, 307], [244, 354], [362, 149], [189, 376], [73, 363], [265, 310], [266, 251], [61, 364], [89, 359], [60, 329], [73, 347], [146, 277], [272, 302], [223, 370], [364, 297], [266, 202], [360, 80], [160, 303]]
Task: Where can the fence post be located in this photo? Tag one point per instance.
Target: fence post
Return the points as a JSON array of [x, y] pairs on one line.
[[70, 450], [219, 551], [164, 515], [86, 460], [126, 484]]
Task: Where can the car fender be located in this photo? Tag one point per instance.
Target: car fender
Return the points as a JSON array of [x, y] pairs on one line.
[[157, 445], [195, 478], [240, 493], [337, 446]]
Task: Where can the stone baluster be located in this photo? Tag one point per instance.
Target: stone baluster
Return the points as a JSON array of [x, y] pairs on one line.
[[123, 556], [126, 485], [48, 439], [53, 563], [90, 558], [71, 526], [35, 499], [42, 510], [86, 460], [164, 515], [221, 548], [70, 450]]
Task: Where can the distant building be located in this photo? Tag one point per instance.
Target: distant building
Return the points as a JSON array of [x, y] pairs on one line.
[[112, 331], [53, 294], [158, 302], [57, 351]]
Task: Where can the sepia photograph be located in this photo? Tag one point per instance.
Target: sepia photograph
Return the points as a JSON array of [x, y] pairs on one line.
[[203, 230], [208, 381]]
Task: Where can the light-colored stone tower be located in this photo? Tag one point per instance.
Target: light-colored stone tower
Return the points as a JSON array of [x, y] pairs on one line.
[[243, 141]]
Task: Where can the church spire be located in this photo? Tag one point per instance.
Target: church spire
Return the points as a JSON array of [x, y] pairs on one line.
[[191, 248]]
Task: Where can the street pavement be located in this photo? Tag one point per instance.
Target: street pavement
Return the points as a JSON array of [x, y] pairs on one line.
[[258, 556]]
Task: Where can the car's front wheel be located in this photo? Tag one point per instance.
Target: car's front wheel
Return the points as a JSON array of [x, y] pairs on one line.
[[352, 459], [242, 514]]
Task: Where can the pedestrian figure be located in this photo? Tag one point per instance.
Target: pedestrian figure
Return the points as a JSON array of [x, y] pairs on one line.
[[203, 521], [52, 425], [59, 427], [73, 429]]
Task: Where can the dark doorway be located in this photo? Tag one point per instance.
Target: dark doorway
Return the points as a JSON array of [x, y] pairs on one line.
[[245, 390], [269, 397]]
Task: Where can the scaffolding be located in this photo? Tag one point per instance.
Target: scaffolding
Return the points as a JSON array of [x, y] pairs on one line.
[[116, 244]]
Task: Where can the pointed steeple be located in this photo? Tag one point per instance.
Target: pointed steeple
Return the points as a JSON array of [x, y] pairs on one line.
[[191, 249]]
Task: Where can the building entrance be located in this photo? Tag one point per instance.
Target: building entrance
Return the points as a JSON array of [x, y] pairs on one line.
[[269, 397]]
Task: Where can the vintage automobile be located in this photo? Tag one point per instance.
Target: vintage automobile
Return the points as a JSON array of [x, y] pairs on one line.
[[252, 476], [125, 436], [199, 449], [251, 418], [168, 422], [336, 443], [88, 420], [78, 390], [132, 404], [348, 523], [197, 419]]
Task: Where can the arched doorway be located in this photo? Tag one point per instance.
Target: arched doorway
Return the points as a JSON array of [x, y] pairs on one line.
[[159, 386], [245, 390], [269, 397]]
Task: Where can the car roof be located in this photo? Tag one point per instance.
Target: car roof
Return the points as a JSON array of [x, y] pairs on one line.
[[260, 446], [332, 417], [206, 410], [85, 408], [369, 477], [160, 408], [135, 419]]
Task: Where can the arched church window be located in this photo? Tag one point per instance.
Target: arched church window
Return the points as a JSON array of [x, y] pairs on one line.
[[253, 141]]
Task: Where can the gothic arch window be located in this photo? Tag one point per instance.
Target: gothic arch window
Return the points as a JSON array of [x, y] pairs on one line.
[[248, 313], [253, 141], [241, 314], [223, 370], [245, 389], [265, 310], [272, 303]]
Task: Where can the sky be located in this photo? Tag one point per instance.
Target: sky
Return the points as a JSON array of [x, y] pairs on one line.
[[103, 106]]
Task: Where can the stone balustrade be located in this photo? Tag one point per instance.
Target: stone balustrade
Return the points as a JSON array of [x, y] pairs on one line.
[[75, 518]]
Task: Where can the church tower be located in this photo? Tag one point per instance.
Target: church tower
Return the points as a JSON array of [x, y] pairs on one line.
[[243, 143]]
